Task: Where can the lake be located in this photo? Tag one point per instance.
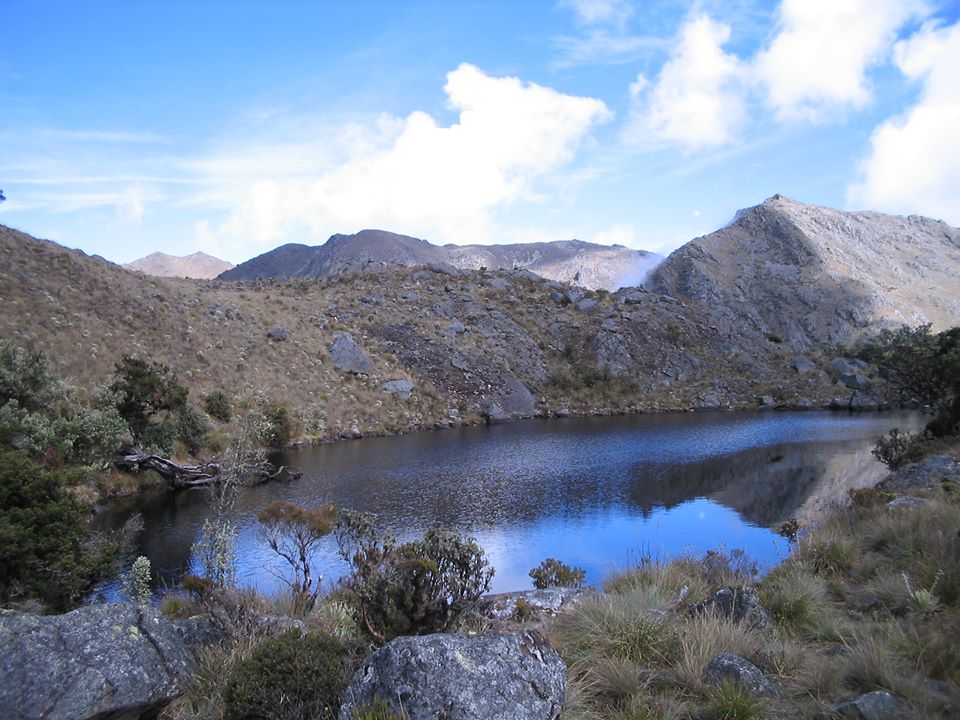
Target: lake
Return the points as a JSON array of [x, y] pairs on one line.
[[600, 493]]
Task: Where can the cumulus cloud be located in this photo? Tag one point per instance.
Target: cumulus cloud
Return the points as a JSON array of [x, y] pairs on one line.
[[914, 160], [818, 60], [415, 176], [697, 99]]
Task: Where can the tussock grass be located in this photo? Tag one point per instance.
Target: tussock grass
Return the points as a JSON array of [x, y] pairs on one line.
[[703, 637]]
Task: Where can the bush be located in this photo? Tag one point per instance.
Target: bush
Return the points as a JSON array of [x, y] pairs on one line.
[[143, 391], [411, 589], [217, 405], [288, 677], [278, 429], [46, 548], [191, 429], [893, 448], [554, 573]]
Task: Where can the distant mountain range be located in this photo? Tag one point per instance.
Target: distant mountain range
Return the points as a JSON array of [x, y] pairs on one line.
[[198, 265], [586, 264]]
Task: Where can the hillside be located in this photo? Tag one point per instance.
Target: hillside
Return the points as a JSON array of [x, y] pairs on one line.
[[470, 343], [814, 275], [198, 265], [586, 264]]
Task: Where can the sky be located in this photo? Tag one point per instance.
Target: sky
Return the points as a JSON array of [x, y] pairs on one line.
[[235, 127]]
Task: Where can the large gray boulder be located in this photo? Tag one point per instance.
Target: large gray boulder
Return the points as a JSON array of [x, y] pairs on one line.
[[461, 677], [740, 604], [729, 668], [119, 661], [877, 705], [929, 473], [347, 355]]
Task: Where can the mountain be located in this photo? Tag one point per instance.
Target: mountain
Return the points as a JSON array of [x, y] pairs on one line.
[[198, 265], [812, 275], [586, 264]]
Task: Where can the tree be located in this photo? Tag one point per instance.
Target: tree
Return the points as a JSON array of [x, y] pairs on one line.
[[923, 367], [144, 391], [25, 378], [294, 532]]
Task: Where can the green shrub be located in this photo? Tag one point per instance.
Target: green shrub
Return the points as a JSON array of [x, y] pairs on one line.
[[218, 406], [893, 448], [142, 392], [278, 428], [191, 428], [554, 573], [288, 677], [25, 378], [419, 587], [46, 548]]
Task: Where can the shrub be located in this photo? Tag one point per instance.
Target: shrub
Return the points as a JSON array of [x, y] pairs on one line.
[[218, 406], [46, 548], [554, 573], [411, 589], [278, 429], [144, 390], [191, 428], [288, 677], [892, 449], [25, 378], [294, 533]]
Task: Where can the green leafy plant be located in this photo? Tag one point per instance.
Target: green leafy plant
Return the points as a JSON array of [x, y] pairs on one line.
[[138, 581], [288, 677], [144, 391], [554, 573], [892, 449], [418, 587], [217, 404]]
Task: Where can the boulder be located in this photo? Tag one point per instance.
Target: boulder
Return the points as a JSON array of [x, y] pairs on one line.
[[729, 668], [410, 297], [803, 365], [854, 381], [586, 304], [634, 297], [119, 660], [462, 677], [400, 388], [877, 705], [457, 327], [347, 355], [740, 604], [929, 473], [513, 399], [544, 601], [277, 334]]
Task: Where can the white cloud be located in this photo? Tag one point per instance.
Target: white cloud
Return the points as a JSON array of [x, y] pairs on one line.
[[414, 176], [617, 235], [914, 163], [818, 60], [697, 99], [591, 12]]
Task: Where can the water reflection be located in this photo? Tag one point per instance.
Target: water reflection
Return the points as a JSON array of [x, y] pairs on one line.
[[594, 492]]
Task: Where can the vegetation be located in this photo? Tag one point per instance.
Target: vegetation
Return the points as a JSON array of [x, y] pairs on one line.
[[554, 573], [218, 406], [145, 393], [418, 587], [288, 677], [294, 533]]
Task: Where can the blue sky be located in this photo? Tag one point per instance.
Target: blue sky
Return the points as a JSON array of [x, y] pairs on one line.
[[129, 127]]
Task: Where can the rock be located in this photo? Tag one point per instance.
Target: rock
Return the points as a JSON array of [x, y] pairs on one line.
[[634, 297], [347, 355], [877, 705], [457, 327], [766, 401], [373, 298], [729, 668], [907, 501], [277, 334], [842, 366], [586, 304], [199, 631], [854, 381], [545, 601], [410, 297], [400, 388], [740, 604], [574, 295], [459, 677], [496, 415], [514, 398], [499, 283], [928, 473], [803, 365], [119, 660], [557, 297]]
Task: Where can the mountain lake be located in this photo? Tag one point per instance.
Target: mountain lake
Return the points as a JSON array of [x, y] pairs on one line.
[[601, 493]]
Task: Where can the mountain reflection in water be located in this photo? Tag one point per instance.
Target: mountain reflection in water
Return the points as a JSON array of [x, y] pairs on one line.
[[594, 492]]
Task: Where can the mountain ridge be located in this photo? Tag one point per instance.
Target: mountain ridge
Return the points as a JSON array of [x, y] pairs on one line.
[[198, 265]]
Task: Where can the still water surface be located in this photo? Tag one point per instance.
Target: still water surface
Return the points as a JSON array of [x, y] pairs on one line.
[[595, 492]]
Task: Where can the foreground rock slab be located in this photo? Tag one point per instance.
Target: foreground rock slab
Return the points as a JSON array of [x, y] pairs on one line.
[[727, 667], [118, 661], [461, 677]]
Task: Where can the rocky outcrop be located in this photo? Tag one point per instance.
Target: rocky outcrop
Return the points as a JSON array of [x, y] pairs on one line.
[[929, 473], [119, 661], [740, 604], [347, 355], [799, 273], [877, 705], [729, 668], [461, 677]]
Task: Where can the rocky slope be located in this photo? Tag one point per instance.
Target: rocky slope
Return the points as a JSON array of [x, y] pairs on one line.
[[198, 265], [387, 350], [811, 275], [572, 261]]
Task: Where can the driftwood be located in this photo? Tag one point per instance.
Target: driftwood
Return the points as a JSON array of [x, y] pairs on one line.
[[186, 476]]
